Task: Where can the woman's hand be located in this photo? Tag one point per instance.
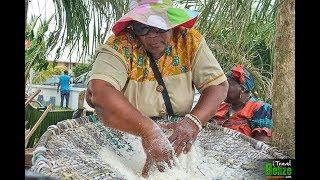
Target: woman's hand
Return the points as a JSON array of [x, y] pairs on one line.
[[158, 150], [117, 112], [260, 136], [184, 135]]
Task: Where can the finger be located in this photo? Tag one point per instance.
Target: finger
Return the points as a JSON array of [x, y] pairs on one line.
[[146, 168], [168, 126], [160, 167], [169, 163], [188, 146], [178, 140], [181, 146], [173, 137], [176, 161], [170, 157]]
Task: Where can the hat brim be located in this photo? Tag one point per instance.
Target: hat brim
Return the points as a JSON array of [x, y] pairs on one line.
[[163, 17]]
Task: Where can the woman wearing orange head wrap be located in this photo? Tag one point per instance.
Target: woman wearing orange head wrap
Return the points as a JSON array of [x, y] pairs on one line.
[[241, 111]]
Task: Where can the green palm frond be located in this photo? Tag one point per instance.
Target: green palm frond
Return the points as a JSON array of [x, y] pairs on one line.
[[241, 31], [237, 31], [37, 51], [79, 24]]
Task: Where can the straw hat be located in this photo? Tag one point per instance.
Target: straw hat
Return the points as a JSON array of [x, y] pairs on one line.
[[157, 13]]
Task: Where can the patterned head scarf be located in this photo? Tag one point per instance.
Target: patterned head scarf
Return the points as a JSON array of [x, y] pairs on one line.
[[242, 76], [156, 13]]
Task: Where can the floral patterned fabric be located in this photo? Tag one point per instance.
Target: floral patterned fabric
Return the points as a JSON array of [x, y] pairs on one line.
[[187, 63], [157, 13], [176, 59], [254, 116]]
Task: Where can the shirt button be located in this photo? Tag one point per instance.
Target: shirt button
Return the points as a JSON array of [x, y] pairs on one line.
[[160, 88]]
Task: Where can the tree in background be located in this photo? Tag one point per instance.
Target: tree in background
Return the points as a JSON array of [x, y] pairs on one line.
[[283, 92], [237, 31], [82, 68], [77, 21], [242, 31], [79, 69], [51, 70], [37, 47]]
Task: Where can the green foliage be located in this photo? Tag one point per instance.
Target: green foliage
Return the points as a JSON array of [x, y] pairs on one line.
[[36, 49], [46, 74], [237, 31], [242, 32], [75, 18], [79, 69]]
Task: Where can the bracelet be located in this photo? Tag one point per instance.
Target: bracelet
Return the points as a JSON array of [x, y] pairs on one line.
[[195, 119], [200, 123]]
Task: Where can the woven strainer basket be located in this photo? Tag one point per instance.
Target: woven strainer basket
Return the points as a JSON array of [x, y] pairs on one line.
[[70, 150]]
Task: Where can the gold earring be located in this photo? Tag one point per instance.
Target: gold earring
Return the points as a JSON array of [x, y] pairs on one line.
[[241, 92]]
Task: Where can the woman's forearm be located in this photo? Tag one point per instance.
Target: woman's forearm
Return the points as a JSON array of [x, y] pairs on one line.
[[115, 110], [209, 101]]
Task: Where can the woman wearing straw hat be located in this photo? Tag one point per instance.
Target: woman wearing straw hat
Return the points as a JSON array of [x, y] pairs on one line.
[[241, 111], [148, 69]]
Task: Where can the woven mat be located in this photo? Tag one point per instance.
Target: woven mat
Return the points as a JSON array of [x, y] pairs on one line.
[[71, 149]]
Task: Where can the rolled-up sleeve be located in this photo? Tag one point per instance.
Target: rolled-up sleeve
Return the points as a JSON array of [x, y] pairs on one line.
[[206, 70], [109, 66]]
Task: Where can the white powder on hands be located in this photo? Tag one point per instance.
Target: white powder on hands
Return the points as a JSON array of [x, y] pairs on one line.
[[187, 166]]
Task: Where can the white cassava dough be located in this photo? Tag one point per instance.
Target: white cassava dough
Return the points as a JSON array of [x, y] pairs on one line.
[[193, 165]]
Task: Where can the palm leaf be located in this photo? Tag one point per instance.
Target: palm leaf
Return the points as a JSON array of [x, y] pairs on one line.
[[82, 25], [240, 31]]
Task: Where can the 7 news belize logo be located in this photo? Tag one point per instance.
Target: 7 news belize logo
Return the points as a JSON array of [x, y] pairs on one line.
[[279, 169]]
